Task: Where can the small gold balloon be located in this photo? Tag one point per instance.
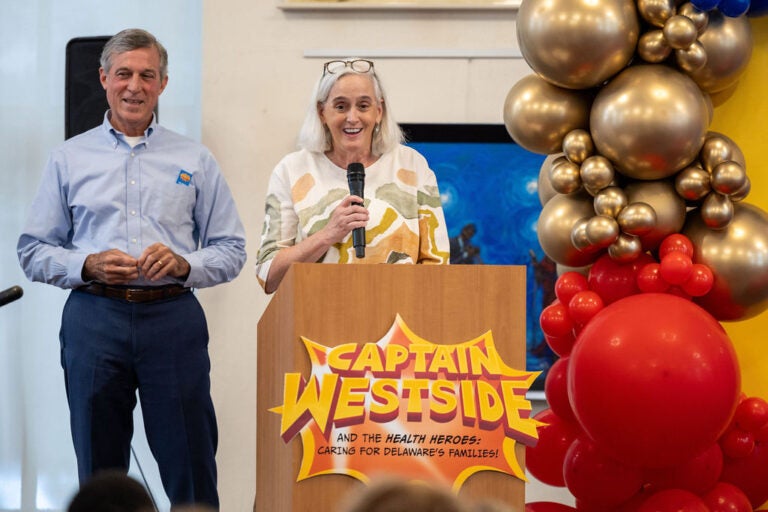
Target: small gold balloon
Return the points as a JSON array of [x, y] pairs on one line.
[[656, 12], [670, 208], [699, 18], [637, 219], [728, 178], [602, 231], [546, 192], [626, 248], [718, 148], [728, 44], [556, 220], [692, 58], [738, 258], [679, 32], [564, 177], [538, 115], [693, 183], [597, 172], [610, 201], [579, 235], [742, 193], [716, 211], [653, 47], [578, 145]]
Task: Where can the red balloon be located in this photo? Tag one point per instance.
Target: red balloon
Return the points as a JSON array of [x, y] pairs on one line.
[[556, 390], [675, 267], [547, 506], [649, 279], [750, 474], [613, 280], [561, 345], [752, 414], [674, 500], [676, 242], [727, 497], [569, 284], [700, 281], [597, 479], [555, 320], [697, 475], [654, 380], [545, 460], [737, 443], [583, 306]]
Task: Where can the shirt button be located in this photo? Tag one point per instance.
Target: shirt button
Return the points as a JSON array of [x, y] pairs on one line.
[[133, 154], [133, 182], [133, 212], [133, 240]]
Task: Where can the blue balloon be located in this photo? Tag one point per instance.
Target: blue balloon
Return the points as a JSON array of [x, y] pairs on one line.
[[758, 8], [733, 8], [705, 5]]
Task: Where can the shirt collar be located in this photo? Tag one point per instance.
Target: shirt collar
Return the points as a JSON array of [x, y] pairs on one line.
[[116, 135]]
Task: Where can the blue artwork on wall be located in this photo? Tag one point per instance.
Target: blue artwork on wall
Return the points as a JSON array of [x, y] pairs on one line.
[[489, 188]]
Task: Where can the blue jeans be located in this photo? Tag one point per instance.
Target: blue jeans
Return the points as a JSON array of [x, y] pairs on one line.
[[111, 348]]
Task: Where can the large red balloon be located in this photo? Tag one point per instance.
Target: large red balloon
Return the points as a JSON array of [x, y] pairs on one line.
[[654, 380]]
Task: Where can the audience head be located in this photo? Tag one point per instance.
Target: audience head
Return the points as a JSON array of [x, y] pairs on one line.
[[398, 495], [111, 491]]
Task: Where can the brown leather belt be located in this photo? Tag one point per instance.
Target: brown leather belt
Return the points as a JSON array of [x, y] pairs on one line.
[[138, 295]]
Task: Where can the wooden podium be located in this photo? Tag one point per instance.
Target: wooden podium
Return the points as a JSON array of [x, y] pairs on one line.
[[336, 304]]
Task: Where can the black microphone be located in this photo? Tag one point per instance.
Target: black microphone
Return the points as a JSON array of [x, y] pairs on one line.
[[356, 180], [11, 294]]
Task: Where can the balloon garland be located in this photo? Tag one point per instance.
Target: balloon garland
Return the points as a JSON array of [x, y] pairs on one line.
[[647, 206]]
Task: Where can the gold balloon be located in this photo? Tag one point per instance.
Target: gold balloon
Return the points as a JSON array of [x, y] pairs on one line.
[[699, 18], [577, 44], [579, 235], [602, 231], [742, 193], [669, 207], [692, 58], [716, 211], [719, 148], [637, 219], [538, 115], [728, 44], [738, 258], [625, 249], [578, 145], [610, 201], [564, 177], [653, 47], [556, 221], [546, 192], [650, 121], [680, 32], [693, 183], [656, 12], [728, 178], [596, 173]]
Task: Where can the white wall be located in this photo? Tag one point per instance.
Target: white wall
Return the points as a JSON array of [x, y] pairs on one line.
[[259, 65]]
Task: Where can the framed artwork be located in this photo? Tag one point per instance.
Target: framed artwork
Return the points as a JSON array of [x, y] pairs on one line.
[[489, 188]]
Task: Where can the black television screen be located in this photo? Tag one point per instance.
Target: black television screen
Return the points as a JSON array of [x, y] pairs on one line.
[[490, 183]]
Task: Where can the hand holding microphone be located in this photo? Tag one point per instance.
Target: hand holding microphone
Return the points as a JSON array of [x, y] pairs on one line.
[[11, 294], [356, 181]]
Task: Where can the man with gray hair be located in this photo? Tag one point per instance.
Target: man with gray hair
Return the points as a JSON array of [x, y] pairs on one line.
[[132, 217]]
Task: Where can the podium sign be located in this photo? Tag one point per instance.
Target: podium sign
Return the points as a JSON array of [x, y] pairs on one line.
[[404, 370]]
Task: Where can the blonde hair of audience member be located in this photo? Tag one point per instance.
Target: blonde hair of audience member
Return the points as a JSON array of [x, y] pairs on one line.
[[393, 495]]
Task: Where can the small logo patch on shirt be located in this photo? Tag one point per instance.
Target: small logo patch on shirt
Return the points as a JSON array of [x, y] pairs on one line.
[[185, 178]]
